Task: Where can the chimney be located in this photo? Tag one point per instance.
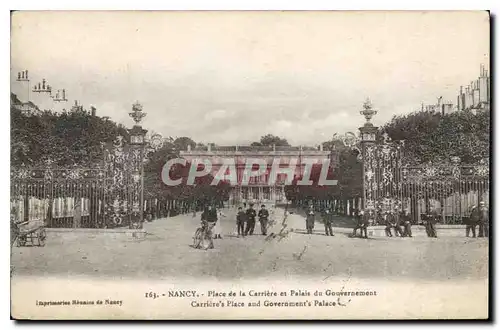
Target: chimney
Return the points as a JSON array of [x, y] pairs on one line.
[[93, 111], [321, 147], [236, 147]]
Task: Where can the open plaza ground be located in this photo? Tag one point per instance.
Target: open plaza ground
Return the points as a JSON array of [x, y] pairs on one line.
[[166, 252]]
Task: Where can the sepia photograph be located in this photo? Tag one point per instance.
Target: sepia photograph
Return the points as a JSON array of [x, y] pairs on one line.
[[250, 165]]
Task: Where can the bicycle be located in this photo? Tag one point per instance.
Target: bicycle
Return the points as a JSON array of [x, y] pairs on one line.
[[202, 238]]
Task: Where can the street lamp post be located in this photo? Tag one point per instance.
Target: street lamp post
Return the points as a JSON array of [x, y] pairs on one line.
[[368, 138], [137, 142]]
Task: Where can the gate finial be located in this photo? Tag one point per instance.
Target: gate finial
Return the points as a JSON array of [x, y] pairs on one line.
[[368, 111], [137, 113]]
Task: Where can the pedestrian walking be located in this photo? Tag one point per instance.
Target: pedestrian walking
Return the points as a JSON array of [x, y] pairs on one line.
[[250, 218], [327, 221], [263, 219], [406, 222], [310, 219], [240, 221]]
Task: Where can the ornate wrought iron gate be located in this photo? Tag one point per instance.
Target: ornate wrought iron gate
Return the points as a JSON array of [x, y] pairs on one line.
[[72, 197], [107, 196], [391, 184]]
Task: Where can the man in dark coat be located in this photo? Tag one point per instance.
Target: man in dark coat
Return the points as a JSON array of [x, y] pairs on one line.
[[327, 221], [397, 224], [365, 222], [380, 219], [406, 222], [484, 220], [362, 223], [210, 216], [263, 219], [389, 223], [240, 221], [251, 215], [430, 224], [310, 219], [471, 223]]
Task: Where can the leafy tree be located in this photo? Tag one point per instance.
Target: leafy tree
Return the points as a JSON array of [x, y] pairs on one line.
[[433, 137], [66, 138], [183, 142], [270, 140], [201, 191]]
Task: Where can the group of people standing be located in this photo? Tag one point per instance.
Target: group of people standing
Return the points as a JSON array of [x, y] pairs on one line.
[[399, 223], [479, 217], [245, 219]]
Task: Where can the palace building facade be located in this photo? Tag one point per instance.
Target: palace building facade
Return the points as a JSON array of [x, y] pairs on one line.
[[257, 189]]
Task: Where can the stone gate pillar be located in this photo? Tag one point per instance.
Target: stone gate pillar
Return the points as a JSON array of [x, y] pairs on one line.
[[368, 141]]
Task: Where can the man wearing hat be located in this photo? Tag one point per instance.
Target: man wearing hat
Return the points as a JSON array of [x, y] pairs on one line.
[[471, 223], [406, 222], [484, 220], [327, 221], [251, 215], [310, 219], [263, 219], [389, 223]]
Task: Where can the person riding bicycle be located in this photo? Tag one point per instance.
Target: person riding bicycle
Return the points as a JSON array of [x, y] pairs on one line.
[[208, 221]]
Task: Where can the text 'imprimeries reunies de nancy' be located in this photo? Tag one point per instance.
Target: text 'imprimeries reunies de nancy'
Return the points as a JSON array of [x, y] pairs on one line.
[[76, 302]]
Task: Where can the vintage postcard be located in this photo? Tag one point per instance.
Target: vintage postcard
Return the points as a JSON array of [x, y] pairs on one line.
[[258, 165]]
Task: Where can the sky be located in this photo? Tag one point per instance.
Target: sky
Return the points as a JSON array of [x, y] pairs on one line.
[[231, 77]]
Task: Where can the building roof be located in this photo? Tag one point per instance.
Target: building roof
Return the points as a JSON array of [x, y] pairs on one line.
[[253, 148]]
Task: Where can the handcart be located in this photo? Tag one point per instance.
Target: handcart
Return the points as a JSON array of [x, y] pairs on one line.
[[30, 233]]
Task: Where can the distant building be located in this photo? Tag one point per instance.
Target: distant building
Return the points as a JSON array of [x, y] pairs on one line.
[[76, 107], [443, 107], [475, 96], [257, 190]]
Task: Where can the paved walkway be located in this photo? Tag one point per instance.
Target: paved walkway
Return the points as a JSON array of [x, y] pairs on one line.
[[166, 251]]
